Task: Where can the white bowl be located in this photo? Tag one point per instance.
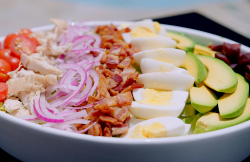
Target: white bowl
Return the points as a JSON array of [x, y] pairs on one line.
[[32, 142]]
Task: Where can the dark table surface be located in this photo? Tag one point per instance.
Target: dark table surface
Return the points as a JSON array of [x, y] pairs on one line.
[[190, 20]]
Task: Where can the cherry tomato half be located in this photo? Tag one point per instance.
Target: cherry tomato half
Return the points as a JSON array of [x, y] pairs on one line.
[[13, 61], [22, 44], [4, 66], [24, 31], [3, 91], [8, 39]]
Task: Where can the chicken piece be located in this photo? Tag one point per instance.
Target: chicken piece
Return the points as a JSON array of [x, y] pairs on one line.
[[21, 112], [11, 104], [52, 49], [61, 25], [30, 83], [18, 74], [42, 67], [27, 99]]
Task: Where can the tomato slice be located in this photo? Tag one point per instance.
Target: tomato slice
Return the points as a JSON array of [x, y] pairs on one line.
[[4, 77], [6, 43], [3, 91], [22, 44], [24, 31], [5, 53], [4, 66], [13, 61]]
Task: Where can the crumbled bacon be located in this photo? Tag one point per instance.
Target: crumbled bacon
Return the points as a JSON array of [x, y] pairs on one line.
[[95, 130], [125, 63], [120, 113], [108, 119], [120, 130], [107, 132], [112, 83], [112, 61], [117, 79]]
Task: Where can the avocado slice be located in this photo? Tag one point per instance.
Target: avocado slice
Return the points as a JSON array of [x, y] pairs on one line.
[[188, 110], [183, 42], [213, 121], [203, 50], [221, 77], [203, 99], [195, 67], [192, 120], [232, 105]]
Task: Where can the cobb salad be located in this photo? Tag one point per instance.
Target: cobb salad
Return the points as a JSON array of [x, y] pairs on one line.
[[135, 80]]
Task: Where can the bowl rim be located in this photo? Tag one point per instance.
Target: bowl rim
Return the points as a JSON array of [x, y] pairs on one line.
[[124, 141]]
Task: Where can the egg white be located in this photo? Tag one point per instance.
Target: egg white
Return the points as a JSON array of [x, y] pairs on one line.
[[149, 43], [174, 126], [151, 66], [145, 111], [168, 55], [167, 81]]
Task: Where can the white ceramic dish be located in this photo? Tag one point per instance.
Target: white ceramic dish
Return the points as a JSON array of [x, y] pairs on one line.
[[31, 142]]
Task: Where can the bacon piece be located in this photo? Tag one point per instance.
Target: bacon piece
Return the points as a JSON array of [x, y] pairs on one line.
[[112, 61], [104, 108], [117, 78], [127, 72], [120, 130], [113, 92], [119, 87], [108, 119], [99, 69], [129, 82], [107, 45], [95, 130], [120, 113], [124, 99], [92, 99], [115, 49], [118, 123], [132, 87], [107, 132], [102, 86], [104, 58], [107, 73], [116, 71], [93, 114], [80, 127], [111, 84], [125, 63], [123, 54]]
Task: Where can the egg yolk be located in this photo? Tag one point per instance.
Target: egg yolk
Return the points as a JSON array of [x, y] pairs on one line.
[[157, 26], [153, 130], [156, 97], [142, 32]]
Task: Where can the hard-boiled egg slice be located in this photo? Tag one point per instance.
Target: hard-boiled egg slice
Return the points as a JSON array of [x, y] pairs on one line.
[[157, 127], [145, 111], [167, 81], [149, 43], [159, 66], [141, 94], [133, 121], [144, 28], [168, 55]]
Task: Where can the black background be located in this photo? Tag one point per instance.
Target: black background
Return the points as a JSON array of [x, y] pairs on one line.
[[189, 20]]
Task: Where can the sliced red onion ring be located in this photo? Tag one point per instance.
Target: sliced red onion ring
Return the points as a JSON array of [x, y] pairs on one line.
[[96, 78]]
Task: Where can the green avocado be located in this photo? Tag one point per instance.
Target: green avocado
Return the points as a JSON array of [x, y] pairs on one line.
[[195, 67], [213, 121], [203, 99], [183, 42], [232, 104], [203, 50], [221, 77]]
